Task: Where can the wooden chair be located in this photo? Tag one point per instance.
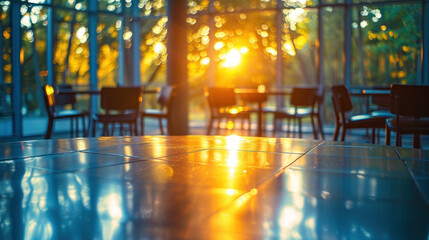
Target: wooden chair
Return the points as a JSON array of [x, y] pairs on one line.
[[223, 105], [165, 98], [253, 102], [56, 111], [121, 105], [303, 103], [409, 103], [342, 106]]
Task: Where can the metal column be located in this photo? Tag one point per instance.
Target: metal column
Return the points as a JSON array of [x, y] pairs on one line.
[[347, 57], [93, 53], [16, 68]]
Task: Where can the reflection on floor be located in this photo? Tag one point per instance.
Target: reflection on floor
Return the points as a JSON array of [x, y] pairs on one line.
[[211, 187]]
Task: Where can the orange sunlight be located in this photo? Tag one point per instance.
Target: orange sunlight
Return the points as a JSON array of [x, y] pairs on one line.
[[232, 58]]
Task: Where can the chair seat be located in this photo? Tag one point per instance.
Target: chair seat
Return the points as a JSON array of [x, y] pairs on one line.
[[410, 125], [255, 110], [382, 113], [69, 113], [122, 117], [241, 114], [365, 121], [154, 113], [291, 112]]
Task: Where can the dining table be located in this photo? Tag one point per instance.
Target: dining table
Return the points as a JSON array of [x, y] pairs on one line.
[[260, 96], [211, 187]]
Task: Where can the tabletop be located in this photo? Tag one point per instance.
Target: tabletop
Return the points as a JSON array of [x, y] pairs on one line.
[[90, 91], [370, 92], [211, 187]]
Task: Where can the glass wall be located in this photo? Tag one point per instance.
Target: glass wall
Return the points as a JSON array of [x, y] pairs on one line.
[[276, 43], [5, 71]]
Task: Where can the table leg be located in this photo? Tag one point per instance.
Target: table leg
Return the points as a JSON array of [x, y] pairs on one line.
[[259, 129]]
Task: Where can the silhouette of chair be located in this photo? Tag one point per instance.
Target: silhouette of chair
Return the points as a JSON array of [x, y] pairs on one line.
[[258, 98], [382, 103], [121, 105], [342, 106], [303, 103], [55, 108], [409, 103], [223, 105], [164, 100]]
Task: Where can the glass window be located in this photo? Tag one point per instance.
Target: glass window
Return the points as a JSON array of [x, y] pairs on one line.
[[237, 5], [33, 64], [245, 49], [108, 31], [5, 71], [153, 48], [153, 56], [71, 50], [299, 3], [386, 44], [299, 34], [333, 45], [195, 6], [110, 5], [198, 64], [152, 7], [73, 4]]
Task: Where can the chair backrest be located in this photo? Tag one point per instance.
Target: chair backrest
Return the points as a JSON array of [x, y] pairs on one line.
[[304, 97], [409, 100], [121, 98], [341, 98], [165, 96], [381, 101], [65, 99], [221, 97], [253, 96], [49, 97]]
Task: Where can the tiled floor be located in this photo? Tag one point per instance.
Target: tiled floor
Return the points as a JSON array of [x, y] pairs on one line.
[[212, 187]]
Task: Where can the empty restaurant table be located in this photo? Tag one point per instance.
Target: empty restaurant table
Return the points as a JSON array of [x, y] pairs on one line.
[[211, 187]]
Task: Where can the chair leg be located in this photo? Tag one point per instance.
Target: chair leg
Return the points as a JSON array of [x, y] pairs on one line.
[[299, 127], [71, 127], [209, 126], [288, 126], [274, 125], [343, 134], [94, 126], [372, 135], [218, 125], [249, 127], [142, 126], [77, 127], [314, 127], [398, 138], [112, 130], [49, 129], [416, 141], [336, 132], [83, 127], [387, 137], [319, 121], [136, 132], [160, 126], [105, 129]]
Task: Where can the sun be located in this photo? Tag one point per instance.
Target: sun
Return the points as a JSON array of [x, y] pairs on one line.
[[233, 58]]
